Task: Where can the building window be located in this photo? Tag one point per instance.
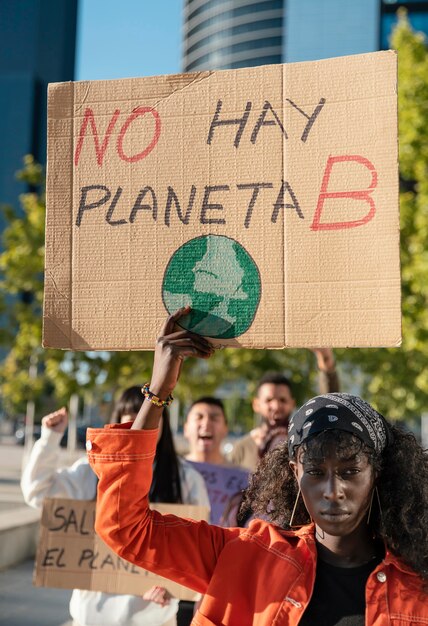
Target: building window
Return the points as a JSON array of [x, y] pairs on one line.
[[241, 29], [269, 42], [267, 60], [210, 4], [269, 5]]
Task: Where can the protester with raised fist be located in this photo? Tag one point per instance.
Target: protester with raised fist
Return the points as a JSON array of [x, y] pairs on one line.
[[174, 480]]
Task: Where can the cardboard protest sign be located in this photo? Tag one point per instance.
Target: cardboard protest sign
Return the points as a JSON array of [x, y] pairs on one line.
[[71, 556], [265, 197], [222, 482]]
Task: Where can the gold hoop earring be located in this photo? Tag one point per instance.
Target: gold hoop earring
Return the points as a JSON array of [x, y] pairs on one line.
[[378, 502], [375, 490], [293, 512], [370, 508]]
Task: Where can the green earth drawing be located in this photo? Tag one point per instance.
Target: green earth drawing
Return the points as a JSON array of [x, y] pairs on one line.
[[217, 277]]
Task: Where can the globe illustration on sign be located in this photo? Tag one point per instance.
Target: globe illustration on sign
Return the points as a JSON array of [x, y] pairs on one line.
[[217, 277]]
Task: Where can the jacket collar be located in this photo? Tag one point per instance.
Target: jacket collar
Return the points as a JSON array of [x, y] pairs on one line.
[[307, 533], [396, 561]]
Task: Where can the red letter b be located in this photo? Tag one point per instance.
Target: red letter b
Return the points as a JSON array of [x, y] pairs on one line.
[[364, 194]]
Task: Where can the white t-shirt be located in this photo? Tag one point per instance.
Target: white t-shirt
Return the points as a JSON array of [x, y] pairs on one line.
[[42, 479]]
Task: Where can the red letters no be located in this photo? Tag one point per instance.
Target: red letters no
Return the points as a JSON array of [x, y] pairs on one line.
[[136, 113], [361, 194], [100, 148]]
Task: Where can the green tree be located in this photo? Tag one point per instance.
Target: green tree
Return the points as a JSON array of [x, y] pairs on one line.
[[21, 264], [59, 373], [396, 379]]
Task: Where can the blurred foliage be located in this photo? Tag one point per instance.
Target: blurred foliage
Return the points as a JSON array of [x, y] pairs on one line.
[[59, 373], [395, 380]]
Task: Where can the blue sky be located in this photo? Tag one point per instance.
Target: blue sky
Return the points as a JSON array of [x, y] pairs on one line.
[[124, 38]]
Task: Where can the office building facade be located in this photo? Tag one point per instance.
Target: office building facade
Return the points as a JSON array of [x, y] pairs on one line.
[[319, 29], [228, 34], [37, 46]]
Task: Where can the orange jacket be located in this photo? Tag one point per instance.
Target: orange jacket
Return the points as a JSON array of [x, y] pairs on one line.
[[259, 576]]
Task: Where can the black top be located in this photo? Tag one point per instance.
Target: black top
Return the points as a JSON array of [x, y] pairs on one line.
[[339, 595]]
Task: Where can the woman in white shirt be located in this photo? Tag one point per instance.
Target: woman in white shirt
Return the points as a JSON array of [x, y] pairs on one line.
[[174, 480]]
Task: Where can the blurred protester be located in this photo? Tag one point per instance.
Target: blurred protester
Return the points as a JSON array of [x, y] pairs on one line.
[[205, 428], [274, 403], [231, 516], [174, 480]]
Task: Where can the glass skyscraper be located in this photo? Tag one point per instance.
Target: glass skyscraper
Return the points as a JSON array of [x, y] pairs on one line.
[[318, 29], [220, 34], [37, 45]]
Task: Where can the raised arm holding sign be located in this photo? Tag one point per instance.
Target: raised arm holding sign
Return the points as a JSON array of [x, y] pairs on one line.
[[347, 496]]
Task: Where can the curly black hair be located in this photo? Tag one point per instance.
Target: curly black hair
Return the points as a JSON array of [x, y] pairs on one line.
[[400, 512]]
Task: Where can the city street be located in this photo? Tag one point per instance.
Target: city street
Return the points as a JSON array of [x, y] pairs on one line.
[[24, 605], [21, 603]]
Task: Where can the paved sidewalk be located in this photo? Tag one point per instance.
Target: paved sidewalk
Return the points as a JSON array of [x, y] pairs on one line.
[[21, 604], [24, 605]]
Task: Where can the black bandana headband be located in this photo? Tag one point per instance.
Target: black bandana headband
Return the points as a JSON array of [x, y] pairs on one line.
[[339, 411]]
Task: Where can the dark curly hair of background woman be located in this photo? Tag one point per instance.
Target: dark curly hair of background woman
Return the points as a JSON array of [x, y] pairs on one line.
[[401, 520]]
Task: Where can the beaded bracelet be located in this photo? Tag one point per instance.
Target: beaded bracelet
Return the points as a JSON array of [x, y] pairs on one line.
[[151, 397]]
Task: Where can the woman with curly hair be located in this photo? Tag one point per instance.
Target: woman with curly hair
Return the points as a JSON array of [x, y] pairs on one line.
[[363, 485], [343, 534]]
